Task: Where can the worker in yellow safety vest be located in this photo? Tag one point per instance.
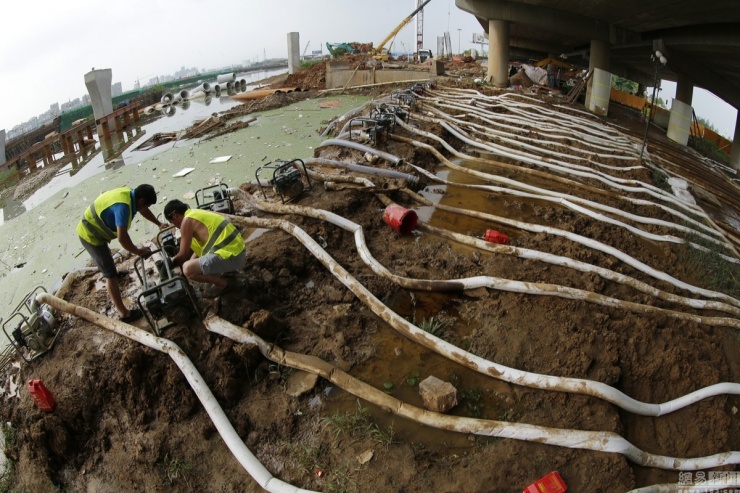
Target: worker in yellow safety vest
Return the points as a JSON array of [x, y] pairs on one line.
[[209, 245], [107, 218]]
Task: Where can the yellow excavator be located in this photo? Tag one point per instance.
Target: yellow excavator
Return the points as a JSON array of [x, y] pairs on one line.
[[383, 53]]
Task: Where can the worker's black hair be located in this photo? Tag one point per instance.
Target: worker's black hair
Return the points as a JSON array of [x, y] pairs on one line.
[[147, 193], [175, 206]]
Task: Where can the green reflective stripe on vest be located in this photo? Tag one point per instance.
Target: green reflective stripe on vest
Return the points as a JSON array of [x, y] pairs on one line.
[[223, 239], [93, 231], [214, 236], [228, 240], [108, 235], [91, 227]]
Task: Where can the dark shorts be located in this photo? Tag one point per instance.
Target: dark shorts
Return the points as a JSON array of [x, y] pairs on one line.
[[102, 257], [212, 264]]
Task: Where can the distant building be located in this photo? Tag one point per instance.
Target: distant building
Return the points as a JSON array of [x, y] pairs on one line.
[[116, 89], [54, 110]]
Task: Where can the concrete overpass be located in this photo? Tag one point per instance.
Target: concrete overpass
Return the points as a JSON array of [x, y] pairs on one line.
[[699, 38]]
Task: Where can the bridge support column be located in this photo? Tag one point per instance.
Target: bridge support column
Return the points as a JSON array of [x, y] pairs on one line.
[[294, 53], [2, 147], [99, 89], [599, 85], [498, 52], [679, 124], [735, 154]]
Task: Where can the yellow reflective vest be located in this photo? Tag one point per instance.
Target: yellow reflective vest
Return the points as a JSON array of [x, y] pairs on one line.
[[223, 238], [92, 228]]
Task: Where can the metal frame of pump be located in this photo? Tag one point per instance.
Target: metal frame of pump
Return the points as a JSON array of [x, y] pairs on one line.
[[36, 331], [284, 177], [221, 202], [158, 301]]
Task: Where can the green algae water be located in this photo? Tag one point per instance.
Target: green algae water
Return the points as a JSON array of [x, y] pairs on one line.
[[39, 244]]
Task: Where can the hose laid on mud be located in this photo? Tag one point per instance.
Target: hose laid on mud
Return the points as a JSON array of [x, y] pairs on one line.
[[363, 148], [586, 212], [469, 360], [521, 142], [614, 183], [642, 267], [490, 282], [602, 441], [598, 246], [254, 467], [732, 479], [556, 178], [369, 170]]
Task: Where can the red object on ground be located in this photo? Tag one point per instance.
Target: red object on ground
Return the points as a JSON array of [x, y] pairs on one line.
[[42, 398], [401, 219], [496, 237], [319, 473], [552, 483]]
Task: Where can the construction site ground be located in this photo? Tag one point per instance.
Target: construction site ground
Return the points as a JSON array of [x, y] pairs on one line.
[[128, 421]]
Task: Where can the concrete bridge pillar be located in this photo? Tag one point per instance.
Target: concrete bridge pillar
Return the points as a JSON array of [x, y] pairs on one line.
[[679, 124], [735, 153], [498, 52], [2, 147], [599, 85], [99, 89], [294, 53]]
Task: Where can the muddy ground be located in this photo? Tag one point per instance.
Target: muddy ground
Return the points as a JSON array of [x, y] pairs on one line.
[[128, 421]]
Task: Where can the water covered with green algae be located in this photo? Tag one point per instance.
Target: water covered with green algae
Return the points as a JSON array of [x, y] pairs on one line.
[[43, 242]]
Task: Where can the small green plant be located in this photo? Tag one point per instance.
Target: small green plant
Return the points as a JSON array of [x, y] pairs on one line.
[[413, 379], [358, 426], [434, 326], [306, 457], [473, 401], [720, 275], [175, 469], [340, 480]]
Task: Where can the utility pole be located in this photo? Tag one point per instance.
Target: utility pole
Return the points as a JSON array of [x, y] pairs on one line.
[[459, 30]]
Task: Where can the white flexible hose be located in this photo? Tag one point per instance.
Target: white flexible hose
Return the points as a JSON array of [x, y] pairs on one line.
[[251, 464], [589, 213], [732, 479], [523, 186], [601, 441], [476, 363]]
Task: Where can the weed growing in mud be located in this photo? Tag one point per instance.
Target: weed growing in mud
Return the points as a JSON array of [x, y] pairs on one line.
[[473, 401], [176, 469], [720, 274], [660, 179], [8, 478], [433, 326], [358, 426], [306, 457], [341, 481]]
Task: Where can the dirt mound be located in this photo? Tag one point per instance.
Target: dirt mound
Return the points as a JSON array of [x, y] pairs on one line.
[[313, 77]]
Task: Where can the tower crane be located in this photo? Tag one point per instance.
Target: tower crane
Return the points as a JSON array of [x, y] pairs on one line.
[[305, 49]]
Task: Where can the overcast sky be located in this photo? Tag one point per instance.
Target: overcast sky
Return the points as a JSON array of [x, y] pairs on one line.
[[46, 46]]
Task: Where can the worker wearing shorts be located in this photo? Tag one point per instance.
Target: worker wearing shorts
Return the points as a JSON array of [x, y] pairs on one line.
[[107, 218], [209, 245]]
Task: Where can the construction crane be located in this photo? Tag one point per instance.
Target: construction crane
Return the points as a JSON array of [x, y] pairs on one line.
[[381, 52], [303, 56], [419, 28]]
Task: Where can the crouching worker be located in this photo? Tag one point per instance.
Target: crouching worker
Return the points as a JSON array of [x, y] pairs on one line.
[[209, 245], [110, 217]]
